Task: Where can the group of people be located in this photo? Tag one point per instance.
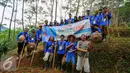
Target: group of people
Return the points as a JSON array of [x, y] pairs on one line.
[[99, 21], [66, 49]]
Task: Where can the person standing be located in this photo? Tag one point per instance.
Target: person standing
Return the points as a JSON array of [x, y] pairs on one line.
[[83, 47], [106, 22], [70, 19], [48, 52], [70, 55], [61, 51], [93, 19], [39, 34], [46, 23], [99, 18], [88, 16]]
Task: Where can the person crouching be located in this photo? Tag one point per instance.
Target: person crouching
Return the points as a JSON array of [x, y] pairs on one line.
[[31, 42], [22, 39]]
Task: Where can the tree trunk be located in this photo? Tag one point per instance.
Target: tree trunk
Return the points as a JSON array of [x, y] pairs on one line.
[[36, 14], [70, 2], [3, 12], [56, 11], [66, 10], [61, 9], [9, 34], [23, 14], [83, 7], [52, 11], [15, 17], [77, 8]]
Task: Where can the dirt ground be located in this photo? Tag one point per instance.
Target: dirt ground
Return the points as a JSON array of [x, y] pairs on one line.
[[37, 65]]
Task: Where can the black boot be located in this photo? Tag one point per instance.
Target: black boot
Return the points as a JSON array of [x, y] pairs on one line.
[[67, 65], [72, 70], [45, 66]]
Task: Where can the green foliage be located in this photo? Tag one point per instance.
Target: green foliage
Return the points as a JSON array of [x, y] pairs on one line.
[[124, 12], [3, 47], [5, 44]]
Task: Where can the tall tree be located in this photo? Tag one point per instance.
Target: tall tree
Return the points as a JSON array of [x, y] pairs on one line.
[[4, 4], [23, 14], [15, 16], [52, 6], [9, 34], [56, 10], [36, 13], [77, 8]]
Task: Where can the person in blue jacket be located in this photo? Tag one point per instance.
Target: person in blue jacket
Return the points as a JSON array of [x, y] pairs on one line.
[[66, 21], [61, 22], [70, 19], [46, 23], [70, 55], [32, 36], [93, 19], [106, 22], [88, 16], [39, 34], [48, 52], [21, 43], [31, 42], [107, 16], [60, 51], [99, 18]]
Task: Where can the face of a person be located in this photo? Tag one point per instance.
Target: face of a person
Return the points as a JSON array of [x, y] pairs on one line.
[[62, 38], [99, 11], [88, 12], [71, 38], [25, 30], [62, 20], [105, 9], [46, 22], [51, 38], [69, 15], [51, 24], [40, 27], [83, 37]]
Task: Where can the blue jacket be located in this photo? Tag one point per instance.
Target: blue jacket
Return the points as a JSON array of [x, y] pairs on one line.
[[72, 48], [87, 17], [99, 19], [25, 35], [93, 20], [105, 21], [31, 40], [61, 47], [61, 24], [48, 47], [71, 19], [39, 34]]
